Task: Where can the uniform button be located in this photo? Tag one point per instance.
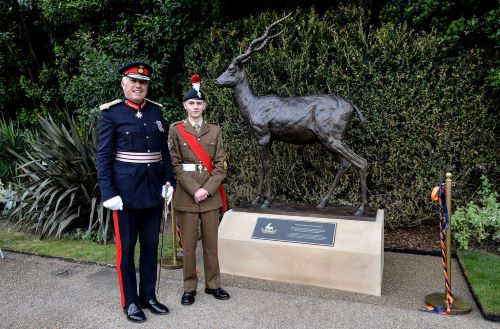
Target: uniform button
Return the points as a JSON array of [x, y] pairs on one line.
[[147, 137], [144, 124], [199, 138], [149, 150], [149, 165], [126, 133]]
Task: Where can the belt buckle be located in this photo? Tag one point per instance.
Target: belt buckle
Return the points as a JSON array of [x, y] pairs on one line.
[[200, 168]]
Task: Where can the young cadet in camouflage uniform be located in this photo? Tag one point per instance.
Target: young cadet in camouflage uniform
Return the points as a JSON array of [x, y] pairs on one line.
[[197, 195], [133, 167]]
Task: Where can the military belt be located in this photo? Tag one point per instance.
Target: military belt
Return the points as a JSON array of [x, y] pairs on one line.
[[194, 167], [138, 157]]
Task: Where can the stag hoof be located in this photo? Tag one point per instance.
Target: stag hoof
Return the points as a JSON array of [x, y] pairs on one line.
[[320, 205], [265, 205], [359, 212]]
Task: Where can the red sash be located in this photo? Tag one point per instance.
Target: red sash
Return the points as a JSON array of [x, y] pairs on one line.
[[202, 154]]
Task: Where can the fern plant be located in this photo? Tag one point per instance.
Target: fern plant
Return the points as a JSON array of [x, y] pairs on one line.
[[478, 224], [59, 187]]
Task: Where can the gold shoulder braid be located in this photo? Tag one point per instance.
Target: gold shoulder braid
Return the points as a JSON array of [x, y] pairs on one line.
[[106, 106], [155, 103]]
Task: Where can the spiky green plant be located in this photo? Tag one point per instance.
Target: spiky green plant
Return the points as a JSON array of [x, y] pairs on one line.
[[11, 136], [59, 187]]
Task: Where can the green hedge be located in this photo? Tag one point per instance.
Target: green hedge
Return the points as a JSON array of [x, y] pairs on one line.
[[427, 117]]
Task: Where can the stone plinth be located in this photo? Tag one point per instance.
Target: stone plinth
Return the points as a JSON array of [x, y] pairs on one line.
[[354, 263]]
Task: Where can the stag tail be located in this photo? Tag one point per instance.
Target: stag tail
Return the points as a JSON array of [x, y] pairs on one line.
[[360, 115]]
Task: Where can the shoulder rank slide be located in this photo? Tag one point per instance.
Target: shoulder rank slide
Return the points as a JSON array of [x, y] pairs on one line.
[[155, 103], [106, 106]]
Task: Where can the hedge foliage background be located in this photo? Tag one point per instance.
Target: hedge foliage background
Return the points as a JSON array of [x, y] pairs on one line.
[[426, 116], [426, 74]]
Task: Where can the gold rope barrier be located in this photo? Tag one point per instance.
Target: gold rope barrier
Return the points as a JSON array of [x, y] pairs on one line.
[[439, 300]]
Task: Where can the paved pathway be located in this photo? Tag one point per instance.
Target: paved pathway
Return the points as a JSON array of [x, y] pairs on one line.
[[38, 292]]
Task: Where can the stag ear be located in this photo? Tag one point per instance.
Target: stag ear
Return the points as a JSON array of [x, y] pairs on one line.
[[237, 63]]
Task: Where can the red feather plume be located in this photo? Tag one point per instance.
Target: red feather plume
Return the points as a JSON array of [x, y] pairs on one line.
[[196, 79]]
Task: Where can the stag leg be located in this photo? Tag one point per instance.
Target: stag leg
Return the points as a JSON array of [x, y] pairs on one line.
[[257, 198], [266, 167], [265, 180], [362, 179], [341, 149], [344, 166]]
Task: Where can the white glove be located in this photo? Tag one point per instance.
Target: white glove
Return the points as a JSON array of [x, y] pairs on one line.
[[167, 192], [115, 203]]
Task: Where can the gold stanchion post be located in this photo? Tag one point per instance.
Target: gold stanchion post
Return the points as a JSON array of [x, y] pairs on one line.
[[173, 262], [438, 299], [447, 232]]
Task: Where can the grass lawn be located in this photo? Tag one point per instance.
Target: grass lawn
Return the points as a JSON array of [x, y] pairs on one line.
[[483, 272], [73, 249]]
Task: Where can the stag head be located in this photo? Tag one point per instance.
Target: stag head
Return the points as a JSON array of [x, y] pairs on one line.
[[235, 73], [232, 76]]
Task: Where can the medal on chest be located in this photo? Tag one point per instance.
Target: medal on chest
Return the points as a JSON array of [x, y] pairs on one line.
[[137, 107]]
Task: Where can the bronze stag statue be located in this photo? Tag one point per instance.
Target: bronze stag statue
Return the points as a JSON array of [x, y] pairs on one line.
[[297, 120]]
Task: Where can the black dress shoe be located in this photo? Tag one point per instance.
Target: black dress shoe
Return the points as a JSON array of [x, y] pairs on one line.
[[188, 297], [134, 313], [155, 307], [218, 293]]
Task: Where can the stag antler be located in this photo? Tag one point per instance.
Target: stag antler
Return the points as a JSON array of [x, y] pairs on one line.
[[243, 58]]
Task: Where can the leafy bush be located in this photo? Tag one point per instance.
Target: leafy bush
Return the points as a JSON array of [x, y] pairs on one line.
[[88, 59], [478, 224], [62, 56], [419, 108], [58, 189]]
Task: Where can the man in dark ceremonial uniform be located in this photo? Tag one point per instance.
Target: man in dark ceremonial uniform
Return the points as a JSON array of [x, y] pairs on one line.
[[198, 160], [135, 173]]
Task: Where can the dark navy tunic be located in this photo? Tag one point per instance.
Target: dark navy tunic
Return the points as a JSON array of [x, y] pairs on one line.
[[139, 185], [119, 130]]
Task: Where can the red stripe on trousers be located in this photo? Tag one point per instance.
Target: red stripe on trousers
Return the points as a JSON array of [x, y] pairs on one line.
[[118, 255]]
